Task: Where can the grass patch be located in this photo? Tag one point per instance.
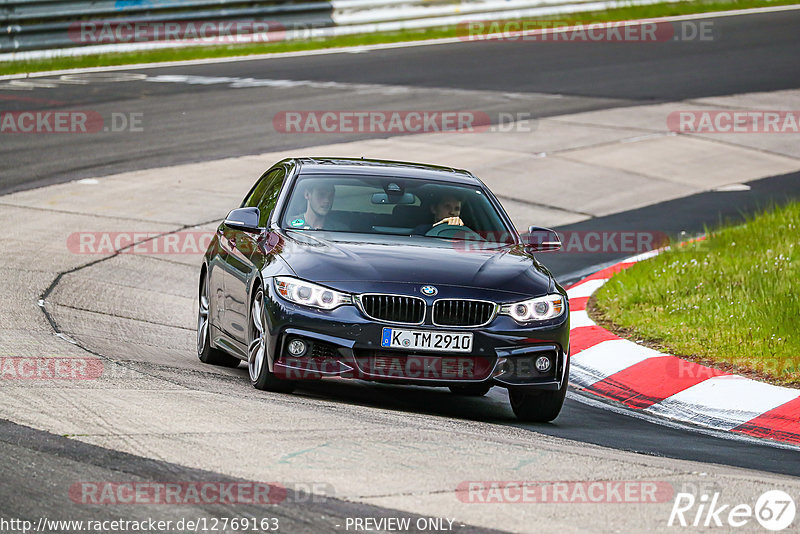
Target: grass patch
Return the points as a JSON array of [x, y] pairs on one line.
[[731, 301], [203, 52]]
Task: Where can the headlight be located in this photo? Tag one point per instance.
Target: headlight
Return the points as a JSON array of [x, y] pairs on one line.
[[538, 309], [308, 294]]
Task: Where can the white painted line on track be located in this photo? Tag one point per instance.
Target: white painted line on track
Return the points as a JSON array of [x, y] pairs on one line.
[[368, 48], [585, 289], [724, 402], [579, 318], [643, 256], [607, 358]]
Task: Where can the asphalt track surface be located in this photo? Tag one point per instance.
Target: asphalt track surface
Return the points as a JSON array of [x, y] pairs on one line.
[[191, 122], [295, 511]]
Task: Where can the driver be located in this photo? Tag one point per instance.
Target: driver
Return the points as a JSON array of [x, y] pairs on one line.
[[446, 210]]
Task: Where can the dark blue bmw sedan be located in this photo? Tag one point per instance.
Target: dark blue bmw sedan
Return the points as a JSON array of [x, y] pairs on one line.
[[384, 271]]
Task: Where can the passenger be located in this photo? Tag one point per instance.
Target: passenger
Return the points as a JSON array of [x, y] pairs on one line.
[[319, 200]]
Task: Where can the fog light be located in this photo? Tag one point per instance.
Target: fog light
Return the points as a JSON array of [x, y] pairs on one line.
[[297, 347], [542, 364]]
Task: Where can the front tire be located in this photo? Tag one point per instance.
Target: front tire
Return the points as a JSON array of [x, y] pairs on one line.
[[539, 406], [205, 351], [260, 375]]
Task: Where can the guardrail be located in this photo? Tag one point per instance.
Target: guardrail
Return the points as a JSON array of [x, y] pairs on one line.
[[43, 24], [48, 28]]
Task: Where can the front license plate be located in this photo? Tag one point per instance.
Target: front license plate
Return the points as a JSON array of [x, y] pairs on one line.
[[396, 338]]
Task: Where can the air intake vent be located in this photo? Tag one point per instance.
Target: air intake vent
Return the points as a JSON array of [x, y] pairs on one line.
[[458, 312], [394, 308]]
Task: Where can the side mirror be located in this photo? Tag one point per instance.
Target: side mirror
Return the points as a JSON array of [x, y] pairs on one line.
[[245, 219], [542, 239]]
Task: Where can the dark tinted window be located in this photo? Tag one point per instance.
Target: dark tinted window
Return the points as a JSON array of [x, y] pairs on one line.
[[399, 206]]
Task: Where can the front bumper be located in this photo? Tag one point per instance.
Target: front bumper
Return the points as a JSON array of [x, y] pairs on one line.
[[344, 343]]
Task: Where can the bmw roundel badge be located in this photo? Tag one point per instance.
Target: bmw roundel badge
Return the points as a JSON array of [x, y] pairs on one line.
[[429, 291]]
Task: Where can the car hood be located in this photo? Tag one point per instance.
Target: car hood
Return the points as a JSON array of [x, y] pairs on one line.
[[348, 261]]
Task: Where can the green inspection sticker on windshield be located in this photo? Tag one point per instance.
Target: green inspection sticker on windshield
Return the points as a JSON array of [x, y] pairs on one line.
[[298, 222]]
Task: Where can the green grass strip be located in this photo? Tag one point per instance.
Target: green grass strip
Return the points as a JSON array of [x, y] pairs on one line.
[[731, 301]]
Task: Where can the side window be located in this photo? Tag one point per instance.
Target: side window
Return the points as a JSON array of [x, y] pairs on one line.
[[265, 194]]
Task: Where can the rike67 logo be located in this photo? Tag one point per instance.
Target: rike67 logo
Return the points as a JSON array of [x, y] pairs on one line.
[[774, 510]]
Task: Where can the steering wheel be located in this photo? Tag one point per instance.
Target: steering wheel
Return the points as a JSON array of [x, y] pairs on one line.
[[454, 230]]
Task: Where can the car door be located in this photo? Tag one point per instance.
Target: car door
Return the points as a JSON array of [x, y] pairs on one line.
[[217, 270], [243, 255]]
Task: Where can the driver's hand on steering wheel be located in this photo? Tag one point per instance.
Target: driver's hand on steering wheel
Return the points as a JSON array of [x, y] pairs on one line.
[[454, 221]]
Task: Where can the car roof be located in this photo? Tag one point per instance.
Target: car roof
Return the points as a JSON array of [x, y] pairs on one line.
[[376, 167]]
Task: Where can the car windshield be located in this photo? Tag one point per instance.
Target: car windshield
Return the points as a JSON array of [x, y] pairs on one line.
[[394, 206]]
